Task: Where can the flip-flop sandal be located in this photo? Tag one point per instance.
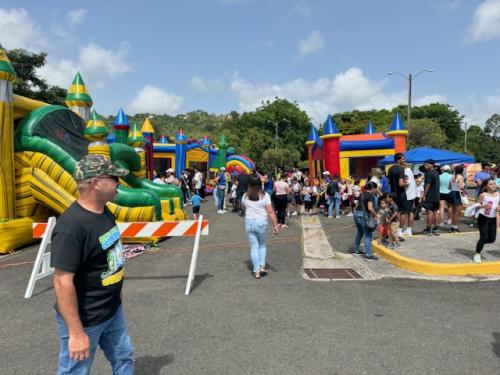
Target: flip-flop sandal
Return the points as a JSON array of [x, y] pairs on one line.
[[256, 275], [263, 271]]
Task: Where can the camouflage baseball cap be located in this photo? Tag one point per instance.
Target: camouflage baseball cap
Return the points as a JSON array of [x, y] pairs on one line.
[[97, 165]]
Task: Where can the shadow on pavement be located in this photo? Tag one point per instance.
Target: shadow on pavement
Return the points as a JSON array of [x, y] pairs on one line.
[[150, 365], [43, 291], [495, 346], [249, 266], [198, 279], [466, 253]]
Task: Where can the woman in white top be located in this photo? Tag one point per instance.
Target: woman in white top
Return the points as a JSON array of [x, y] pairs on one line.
[[258, 208], [456, 187], [488, 218]]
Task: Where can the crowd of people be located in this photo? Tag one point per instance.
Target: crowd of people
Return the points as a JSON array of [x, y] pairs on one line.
[[87, 252], [388, 202]]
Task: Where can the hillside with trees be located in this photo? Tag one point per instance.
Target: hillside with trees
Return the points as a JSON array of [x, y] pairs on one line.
[[275, 133]]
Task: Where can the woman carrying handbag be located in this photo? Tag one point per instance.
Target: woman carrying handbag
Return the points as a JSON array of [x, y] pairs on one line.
[[365, 220]]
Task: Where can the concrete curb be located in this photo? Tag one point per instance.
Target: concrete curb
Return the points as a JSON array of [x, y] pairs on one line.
[[433, 268]]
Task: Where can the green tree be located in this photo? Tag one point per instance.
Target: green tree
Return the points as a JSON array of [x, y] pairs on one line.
[[492, 127], [448, 118], [280, 158], [256, 130], [28, 83], [482, 146], [426, 132]]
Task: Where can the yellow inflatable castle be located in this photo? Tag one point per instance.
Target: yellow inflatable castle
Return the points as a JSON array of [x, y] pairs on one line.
[[40, 145]]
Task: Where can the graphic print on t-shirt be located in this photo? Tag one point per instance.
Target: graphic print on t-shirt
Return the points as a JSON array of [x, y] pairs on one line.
[[111, 243]]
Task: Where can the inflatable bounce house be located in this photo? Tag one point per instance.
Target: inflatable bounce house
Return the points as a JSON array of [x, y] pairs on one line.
[[40, 145], [355, 154], [201, 154]]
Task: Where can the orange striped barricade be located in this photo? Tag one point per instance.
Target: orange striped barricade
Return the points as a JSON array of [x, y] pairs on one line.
[[41, 268], [184, 228]]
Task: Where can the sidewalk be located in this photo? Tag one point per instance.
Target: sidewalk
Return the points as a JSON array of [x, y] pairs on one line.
[[446, 257], [448, 254]]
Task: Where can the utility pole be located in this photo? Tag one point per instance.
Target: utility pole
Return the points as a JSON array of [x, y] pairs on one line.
[[465, 137], [409, 99]]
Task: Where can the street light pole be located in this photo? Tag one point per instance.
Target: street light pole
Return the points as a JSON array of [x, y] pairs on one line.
[[408, 116], [465, 137], [410, 77]]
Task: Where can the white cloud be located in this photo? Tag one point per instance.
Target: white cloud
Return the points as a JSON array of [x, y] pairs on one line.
[[304, 7], [312, 43], [18, 30], [486, 21], [429, 99], [202, 85], [478, 108], [152, 99], [348, 90], [96, 59], [75, 17], [96, 64]]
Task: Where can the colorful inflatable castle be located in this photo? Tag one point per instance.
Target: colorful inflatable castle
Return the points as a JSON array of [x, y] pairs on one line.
[[352, 155], [40, 146], [201, 154]]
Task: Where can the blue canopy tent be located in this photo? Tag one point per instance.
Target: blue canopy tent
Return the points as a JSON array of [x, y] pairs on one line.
[[421, 154]]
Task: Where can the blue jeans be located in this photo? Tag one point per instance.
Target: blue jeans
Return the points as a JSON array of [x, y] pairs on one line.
[[359, 220], [335, 200], [257, 234], [111, 335], [220, 198]]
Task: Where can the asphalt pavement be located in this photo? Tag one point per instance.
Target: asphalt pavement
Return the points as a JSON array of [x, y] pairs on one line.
[[281, 324]]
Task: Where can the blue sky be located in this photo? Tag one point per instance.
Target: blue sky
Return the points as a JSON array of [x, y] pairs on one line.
[[222, 55]]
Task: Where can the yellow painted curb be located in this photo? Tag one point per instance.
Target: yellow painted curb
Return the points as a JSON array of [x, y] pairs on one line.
[[432, 268]]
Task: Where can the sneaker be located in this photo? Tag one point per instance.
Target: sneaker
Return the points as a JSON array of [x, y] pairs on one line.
[[448, 222], [435, 232], [357, 252], [390, 246], [396, 245], [441, 224], [349, 214], [330, 217], [293, 213], [371, 257], [220, 212], [477, 258], [337, 217], [427, 231], [408, 232], [401, 239]]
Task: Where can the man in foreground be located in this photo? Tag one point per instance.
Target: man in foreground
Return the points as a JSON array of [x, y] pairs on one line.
[[87, 255]]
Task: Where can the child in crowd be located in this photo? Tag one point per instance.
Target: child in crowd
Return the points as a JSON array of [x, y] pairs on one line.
[[383, 216], [196, 204], [393, 220], [419, 181]]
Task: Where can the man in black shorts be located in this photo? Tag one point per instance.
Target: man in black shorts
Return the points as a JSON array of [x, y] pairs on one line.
[[398, 182], [430, 198]]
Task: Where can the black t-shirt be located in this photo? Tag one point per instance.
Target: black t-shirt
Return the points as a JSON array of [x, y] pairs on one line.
[[88, 244], [361, 204], [432, 178], [396, 172], [243, 181]]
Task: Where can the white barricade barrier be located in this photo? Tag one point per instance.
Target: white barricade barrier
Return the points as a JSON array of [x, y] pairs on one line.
[[42, 262], [185, 228]]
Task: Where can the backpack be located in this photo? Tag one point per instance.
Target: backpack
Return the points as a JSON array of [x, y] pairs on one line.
[[332, 188]]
